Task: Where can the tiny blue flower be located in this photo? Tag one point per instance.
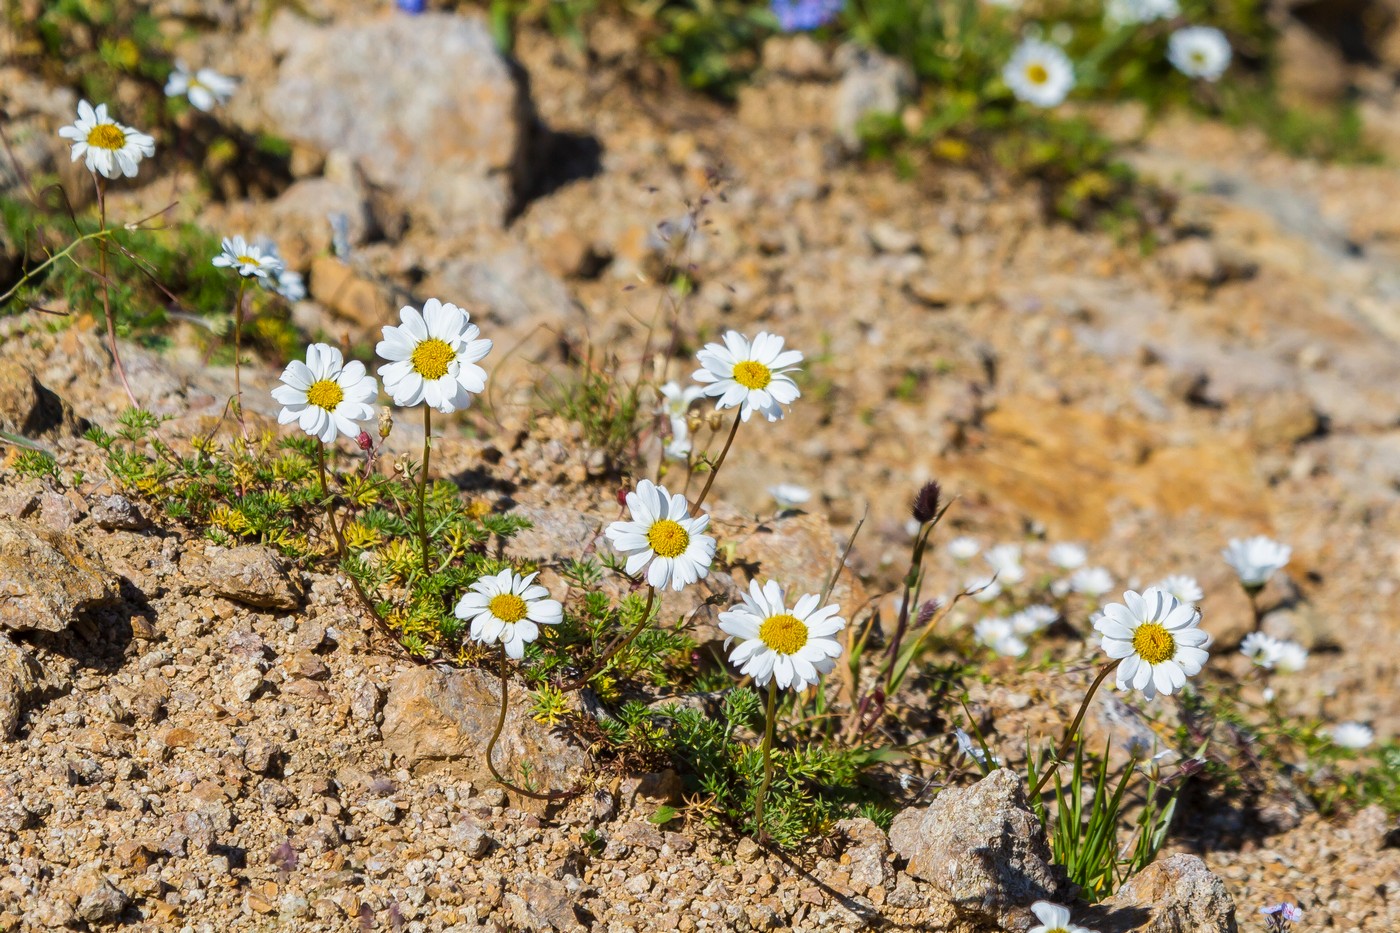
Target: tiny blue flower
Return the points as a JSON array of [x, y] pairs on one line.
[[804, 15], [411, 6]]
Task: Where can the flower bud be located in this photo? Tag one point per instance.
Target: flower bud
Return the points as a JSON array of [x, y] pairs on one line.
[[926, 502]]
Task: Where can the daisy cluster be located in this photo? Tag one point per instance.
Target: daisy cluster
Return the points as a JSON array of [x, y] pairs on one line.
[[1040, 72]]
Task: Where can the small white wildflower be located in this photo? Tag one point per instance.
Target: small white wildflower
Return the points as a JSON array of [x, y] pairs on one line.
[[1130, 12], [109, 148], [1260, 648], [1354, 735], [676, 400], [1256, 559], [288, 284], [1199, 52], [1053, 919], [662, 534], [1183, 588], [1033, 619], [1039, 73], [1157, 639], [248, 259], [792, 646], [679, 445], [1291, 658], [205, 88], [1006, 561], [999, 635], [1067, 556], [509, 609], [972, 749], [964, 548], [752, 375], [432, 357], [324, 396], [1091, 581], [789, 495]]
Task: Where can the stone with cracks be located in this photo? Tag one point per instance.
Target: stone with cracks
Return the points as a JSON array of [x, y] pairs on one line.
[[1178, 894], [47, 579]]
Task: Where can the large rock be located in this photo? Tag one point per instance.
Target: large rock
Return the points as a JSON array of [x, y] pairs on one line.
[[444, 719], [982, 849], [47, 579], [254, 575], [504, 281], [1172, 895], [424, 105], [30, 409]]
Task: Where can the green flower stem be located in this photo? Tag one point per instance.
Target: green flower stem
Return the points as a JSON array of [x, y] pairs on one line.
[[495, 737], [1253, 593], [1073, 729], [769, 718], [616, 646], [326, 497], [714, 471], [106, 289], [423, 484], [238, 356]]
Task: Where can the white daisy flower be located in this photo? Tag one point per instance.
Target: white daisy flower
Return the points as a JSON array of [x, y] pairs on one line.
[[964, 548], [1006, 561], [432, 357], [1053, 919], [1033, 619], [1128, 12], [1157, 638], [111, 149], [753, 376], [1039, 73], [983, 589], [250, 260], [325, 396], [789, 495], [1351, 735], [290, 285], [999, 635], [1291, 658], [205, 88], [509, 609], [662, 534], [1199, 52], [679, 446], [793, 647], [1262, 649], [1182, 587], [676, 401], [1091, 581], [1067, 556], [1256, 559]]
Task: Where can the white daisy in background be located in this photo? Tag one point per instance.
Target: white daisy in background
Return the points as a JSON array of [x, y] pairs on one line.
[[753, 376], [983, 589], [1006, 561], [1182, 587], [325, 396], [432, 357], [999, 635], [1033, 619], [1199, 52], [248, 259], [205, 88], [1132, 12], [1354, 735], [793, 647], [1067, 556], [290, 285], [676, 401], [964, 548], [1039, 73], [1091, 581], [789, 495], [1290, 658], [662, 534], [1053, 919], [1157, 638], [509, 609], [678, 447], [111, 149], [1262, 649], [1256, 559]]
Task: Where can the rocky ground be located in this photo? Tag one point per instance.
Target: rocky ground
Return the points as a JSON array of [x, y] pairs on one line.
[[209, 738]]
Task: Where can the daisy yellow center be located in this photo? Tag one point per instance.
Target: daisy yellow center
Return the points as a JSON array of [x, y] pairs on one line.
[[430, 358], [248, 260], [1153, 643], [1037, 73], [752, 374], [106, 136], [325, 394], [507, 607], [668, 539], [785, 633]]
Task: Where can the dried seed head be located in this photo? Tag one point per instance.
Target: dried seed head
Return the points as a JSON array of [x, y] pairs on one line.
[[386, 421], [926, 502], [927, 611]]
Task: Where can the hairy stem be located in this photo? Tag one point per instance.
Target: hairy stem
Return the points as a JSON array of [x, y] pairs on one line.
[[106, 291], [1073, 729], [714, 471], [423, 484], [326, 496], [768, 722], [617, 645]]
